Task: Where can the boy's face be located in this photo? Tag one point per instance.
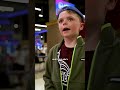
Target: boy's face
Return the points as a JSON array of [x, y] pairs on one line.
[[69, 24]]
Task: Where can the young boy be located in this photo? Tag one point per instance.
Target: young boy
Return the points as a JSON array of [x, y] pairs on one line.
[[65, 67], [101, 39]]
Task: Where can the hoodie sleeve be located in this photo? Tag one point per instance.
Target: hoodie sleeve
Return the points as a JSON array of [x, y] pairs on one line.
[[48, 70]]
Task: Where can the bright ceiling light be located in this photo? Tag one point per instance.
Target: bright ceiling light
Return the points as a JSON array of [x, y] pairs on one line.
[[15, 25], [37, 29], [41, 37], [4, 8], [19, 1], [84, 16], [38, 9], [40, 15], [38, 25]]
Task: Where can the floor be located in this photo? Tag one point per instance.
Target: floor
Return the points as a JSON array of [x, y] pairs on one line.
[[39, 71], [39, 84]]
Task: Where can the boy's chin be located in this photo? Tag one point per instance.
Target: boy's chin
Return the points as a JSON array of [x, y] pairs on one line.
[[69, 36], [66, 35]]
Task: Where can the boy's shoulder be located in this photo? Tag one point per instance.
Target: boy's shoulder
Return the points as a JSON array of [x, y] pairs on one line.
[[55, 47]]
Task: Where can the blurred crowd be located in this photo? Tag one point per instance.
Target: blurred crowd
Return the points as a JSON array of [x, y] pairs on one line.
[[12, 65]]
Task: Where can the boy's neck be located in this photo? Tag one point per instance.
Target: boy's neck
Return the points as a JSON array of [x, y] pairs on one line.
[[70, 42]]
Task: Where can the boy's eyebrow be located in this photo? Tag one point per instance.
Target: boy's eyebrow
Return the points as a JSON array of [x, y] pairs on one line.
[[69, 16], [66, 17]]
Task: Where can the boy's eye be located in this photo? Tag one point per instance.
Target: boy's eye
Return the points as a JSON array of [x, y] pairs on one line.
[[60, 21], [70, 19]]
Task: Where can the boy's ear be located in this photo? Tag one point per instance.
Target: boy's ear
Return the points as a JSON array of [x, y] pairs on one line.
[[110, 4], [82, 26]]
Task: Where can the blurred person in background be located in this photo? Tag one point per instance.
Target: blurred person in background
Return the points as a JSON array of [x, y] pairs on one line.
[[102, 47], [19, 59], [4, 79], [21, 54]]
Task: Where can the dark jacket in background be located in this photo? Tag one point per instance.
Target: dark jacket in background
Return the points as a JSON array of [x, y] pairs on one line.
[[105, 68]]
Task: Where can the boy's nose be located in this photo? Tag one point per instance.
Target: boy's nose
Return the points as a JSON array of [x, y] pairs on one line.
[[65, 22]]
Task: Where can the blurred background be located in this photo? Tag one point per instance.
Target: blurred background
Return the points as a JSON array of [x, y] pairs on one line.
[[15, 45]]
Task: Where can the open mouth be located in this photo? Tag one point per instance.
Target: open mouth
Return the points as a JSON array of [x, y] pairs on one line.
[[66, 29]]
